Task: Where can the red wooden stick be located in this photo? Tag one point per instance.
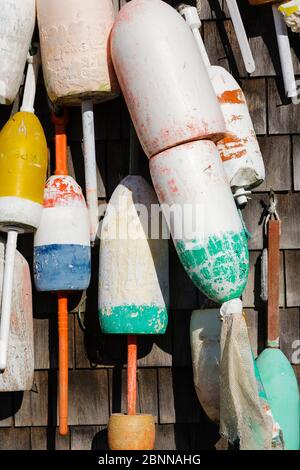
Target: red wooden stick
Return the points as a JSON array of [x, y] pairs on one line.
[[131, 374]]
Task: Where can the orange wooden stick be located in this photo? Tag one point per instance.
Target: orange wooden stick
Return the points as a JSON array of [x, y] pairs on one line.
[[61, 166], [62, 169], [131, 374], [63, 363]]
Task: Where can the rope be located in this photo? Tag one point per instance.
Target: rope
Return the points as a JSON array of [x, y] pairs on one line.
[[271, 211]]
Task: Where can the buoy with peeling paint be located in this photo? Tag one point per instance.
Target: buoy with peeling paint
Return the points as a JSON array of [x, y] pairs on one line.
[[133, 292], [23, 165], [62, 256], [17, 20], [74, 36], [133, 277], [18, 375], [206, 228], [205, 330], [163, 78], [239, 149]]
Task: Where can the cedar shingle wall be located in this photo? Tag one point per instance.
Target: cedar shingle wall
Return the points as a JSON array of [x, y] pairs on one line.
[[165, 384]]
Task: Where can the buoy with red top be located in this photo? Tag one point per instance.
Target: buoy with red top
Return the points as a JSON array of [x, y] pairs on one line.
[[62, 254], [163, 79], [239, 149], [23, 166], [17, 21], [77, 69]]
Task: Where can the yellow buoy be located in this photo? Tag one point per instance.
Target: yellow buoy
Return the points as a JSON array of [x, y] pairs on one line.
[[23, 164]]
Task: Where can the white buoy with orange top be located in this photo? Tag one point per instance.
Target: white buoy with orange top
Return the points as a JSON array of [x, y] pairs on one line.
[[74, 36], [23, 168], [62, 255], [239, 149], [17, 21]]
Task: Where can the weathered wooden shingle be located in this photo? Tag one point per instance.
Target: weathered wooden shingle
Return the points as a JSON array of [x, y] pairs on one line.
[[33, 405], [276, 152], [292, 270], [14, 439], [283, 117], [289, 331], [88, 391]]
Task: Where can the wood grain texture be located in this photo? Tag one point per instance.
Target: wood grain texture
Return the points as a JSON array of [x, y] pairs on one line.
[[292, 272], [43, 438], [88, 391], [255, 93], [289, 331], [33, 405], [89, 438], [296, 162], [288, 207], [14, 439], [283, 116], [276, 153]]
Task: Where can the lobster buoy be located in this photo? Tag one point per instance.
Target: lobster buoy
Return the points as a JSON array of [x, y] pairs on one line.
[[62, 255], [213, 246], [239, 149], [205, 331], [163, 78], [280, 384], [18, 375], [23, 165], [136, 432], [74, 36], [17, 21], [133, 277]]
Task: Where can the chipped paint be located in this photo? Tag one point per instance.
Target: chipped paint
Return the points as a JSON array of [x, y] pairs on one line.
[[216, 258], [17, 21], [218, 267], [239, 149], [133, 270], [62, 253], [232, 97], [75, 36], [169, 96], [134, 319], [64, 267]]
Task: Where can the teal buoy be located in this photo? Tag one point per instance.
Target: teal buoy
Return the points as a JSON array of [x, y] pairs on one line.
[[282, 392]]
